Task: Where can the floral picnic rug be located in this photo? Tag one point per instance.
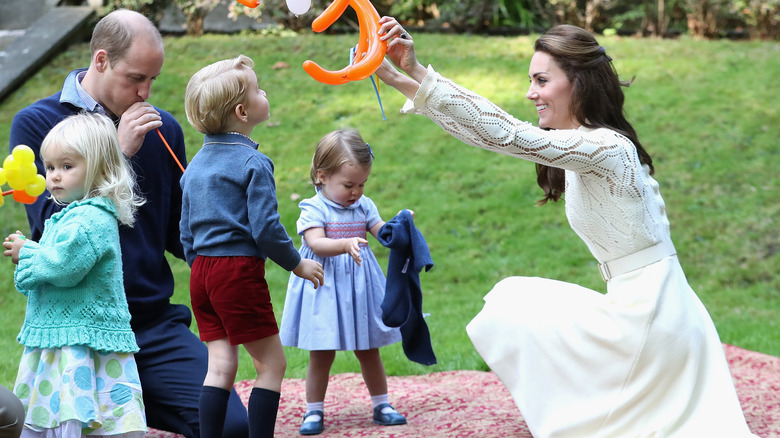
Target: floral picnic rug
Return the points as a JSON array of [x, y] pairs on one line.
[[476, 404]]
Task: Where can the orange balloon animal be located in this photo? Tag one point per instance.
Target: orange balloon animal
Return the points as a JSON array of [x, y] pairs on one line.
[[250, 3], [370, 50]]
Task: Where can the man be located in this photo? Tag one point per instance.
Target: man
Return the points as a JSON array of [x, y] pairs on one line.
[[127, 56]]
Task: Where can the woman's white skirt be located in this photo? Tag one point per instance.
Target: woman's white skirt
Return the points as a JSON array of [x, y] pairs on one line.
[[643, 360]]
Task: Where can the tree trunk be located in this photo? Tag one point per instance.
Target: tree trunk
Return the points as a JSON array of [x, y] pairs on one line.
[[662, 20], [648, 24], [591, 13], [701, 19], [765, 28], [195, 22]]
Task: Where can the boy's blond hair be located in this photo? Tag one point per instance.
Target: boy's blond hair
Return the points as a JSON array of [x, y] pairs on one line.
[[214, 91]]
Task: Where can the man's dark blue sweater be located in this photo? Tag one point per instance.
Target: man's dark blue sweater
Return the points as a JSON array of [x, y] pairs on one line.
[[147, 275]]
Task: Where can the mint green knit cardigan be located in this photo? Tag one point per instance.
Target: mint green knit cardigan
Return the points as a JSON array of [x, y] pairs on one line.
[[72, 279]]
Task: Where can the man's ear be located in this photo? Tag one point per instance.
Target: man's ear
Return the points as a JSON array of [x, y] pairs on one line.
[[100, 60]]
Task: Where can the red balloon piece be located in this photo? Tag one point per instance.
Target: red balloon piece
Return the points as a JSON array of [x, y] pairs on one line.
[[23, 197]]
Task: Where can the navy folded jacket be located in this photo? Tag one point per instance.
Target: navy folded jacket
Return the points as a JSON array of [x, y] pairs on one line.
[[402, 306]]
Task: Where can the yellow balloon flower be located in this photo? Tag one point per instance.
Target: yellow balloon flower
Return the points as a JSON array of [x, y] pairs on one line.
[[36, 187], [23, 154], [19, 172]]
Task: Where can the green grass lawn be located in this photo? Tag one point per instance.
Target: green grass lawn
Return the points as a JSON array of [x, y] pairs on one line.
[[706, 110]]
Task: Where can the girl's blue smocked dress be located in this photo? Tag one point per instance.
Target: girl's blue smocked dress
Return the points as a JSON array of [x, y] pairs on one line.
[[344, 313]]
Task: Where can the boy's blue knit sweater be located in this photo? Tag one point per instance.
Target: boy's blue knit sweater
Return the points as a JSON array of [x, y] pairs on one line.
[[229, 205]]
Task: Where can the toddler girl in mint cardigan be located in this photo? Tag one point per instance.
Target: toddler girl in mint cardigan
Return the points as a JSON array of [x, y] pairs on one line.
[[78, 374]]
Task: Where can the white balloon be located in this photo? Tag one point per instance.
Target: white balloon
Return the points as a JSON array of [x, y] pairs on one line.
[[298, 7]]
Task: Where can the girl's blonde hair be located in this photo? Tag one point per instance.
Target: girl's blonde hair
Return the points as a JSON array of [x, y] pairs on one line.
[[214, 91], [94, 137], [337, 148]]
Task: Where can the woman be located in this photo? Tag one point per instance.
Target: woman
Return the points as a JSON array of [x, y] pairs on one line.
[[644, 359]]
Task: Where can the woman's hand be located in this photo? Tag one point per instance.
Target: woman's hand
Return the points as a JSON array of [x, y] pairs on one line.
[[310, 270], [13, 244], [400, 48], [352, 247]]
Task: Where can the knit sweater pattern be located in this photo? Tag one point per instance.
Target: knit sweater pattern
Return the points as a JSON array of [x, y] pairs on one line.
[[612, 202], [229, 205], [72, 279]]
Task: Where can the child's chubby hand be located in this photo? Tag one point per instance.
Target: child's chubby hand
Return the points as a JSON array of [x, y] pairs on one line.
[[13, 244], [352, 247], [310, 270], [410, 212]]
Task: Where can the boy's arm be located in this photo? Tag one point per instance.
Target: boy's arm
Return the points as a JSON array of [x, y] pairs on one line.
[[185, 235], [264, 219]]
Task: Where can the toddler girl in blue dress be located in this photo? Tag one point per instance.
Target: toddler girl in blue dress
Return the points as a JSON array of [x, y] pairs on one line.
[[344, 313]]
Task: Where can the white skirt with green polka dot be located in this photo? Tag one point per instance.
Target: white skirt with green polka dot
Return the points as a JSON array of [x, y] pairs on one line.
[[99, 390]]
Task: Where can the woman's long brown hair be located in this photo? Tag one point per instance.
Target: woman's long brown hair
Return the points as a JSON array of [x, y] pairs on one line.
[[597, 96]]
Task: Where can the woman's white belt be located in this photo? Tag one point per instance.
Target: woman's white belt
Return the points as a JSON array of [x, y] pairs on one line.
[[637, 260]]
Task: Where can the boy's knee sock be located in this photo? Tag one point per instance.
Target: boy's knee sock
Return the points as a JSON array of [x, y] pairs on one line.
[[212, 406], [263, 406]]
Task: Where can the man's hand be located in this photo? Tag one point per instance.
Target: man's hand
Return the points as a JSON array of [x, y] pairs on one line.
[[139, 119]]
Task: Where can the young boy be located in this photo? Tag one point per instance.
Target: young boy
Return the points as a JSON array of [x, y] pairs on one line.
[[229, 226]]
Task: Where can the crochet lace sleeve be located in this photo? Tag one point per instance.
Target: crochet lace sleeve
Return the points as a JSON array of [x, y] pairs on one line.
[[478, 122]]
